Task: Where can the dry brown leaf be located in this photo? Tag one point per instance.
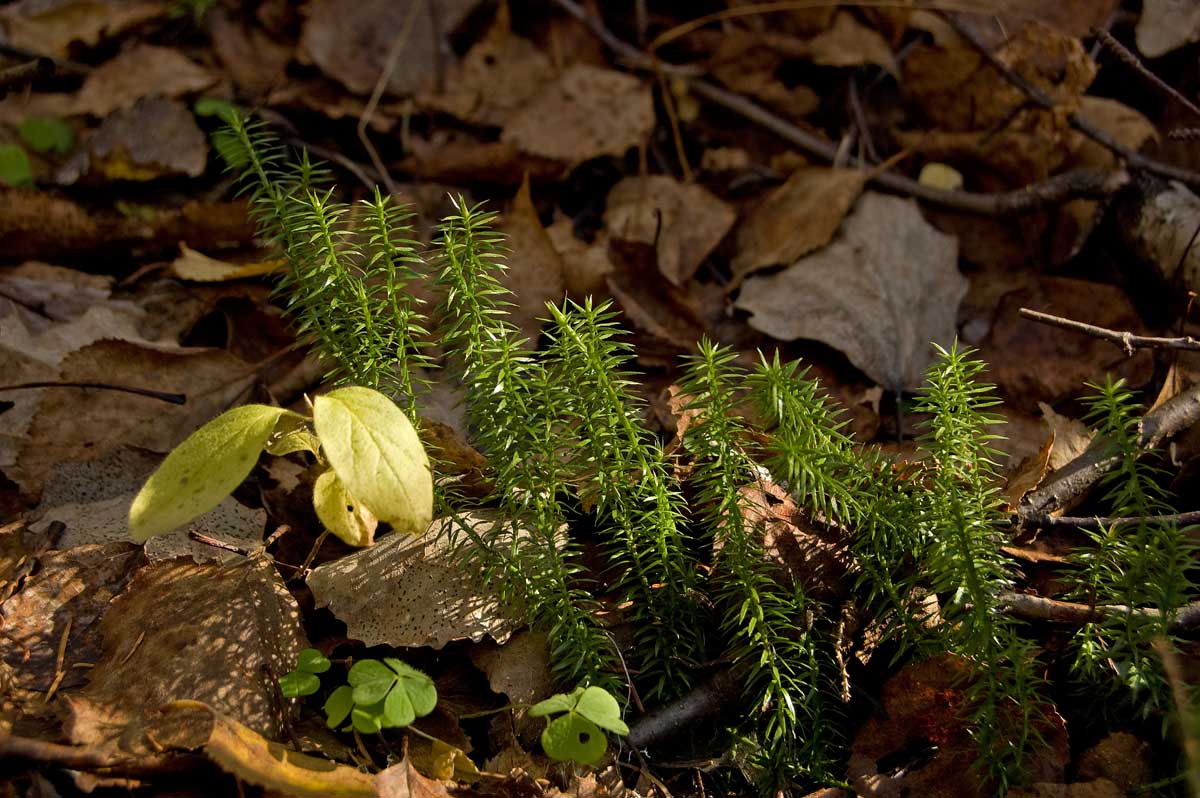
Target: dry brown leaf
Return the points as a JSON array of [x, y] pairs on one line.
[[73, 587], [880, 292], [253, 759], [413, 591], [221, 634], [683, 221], [1121, 758], [498, 75], [1033, 364], [586, 113], [75, 425], [743, 64], [924, 706], [535, 271], [1167, 25], [850, 44], [653, 305], [51, 28], [1071, 437], [1028, 474], [585, 266], [795, 219], [403, 781], [351, 42], [143, 70], [256, 62], [154, 138], [200, 268], [1100, 788], [93, 498], [518, 669]]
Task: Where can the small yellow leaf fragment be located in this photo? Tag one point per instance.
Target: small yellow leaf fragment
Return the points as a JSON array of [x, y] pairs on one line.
[[200, 268], [939, 175], [377, 455], [202, 470], [341, 513]]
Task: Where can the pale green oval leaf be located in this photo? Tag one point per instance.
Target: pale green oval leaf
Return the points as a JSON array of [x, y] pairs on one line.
[[377, 455], [371, 680], [575, 738], [598, 706], [202, 470], [559, 702], [341, 513], [338, 706], [312, 661], [46, 134], [14, 166], [298, 683]]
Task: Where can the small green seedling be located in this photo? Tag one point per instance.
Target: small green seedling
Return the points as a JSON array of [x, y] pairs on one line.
[[381, 694], [46, 134], [576, 734], [14, 166], [304, 679], [378, 470]]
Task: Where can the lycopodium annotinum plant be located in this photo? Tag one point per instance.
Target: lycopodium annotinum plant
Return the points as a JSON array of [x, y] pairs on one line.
[[683, 553]]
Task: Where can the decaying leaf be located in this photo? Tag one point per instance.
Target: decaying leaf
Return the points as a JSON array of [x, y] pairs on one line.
[[403, 781], [200, 268], [92, 499], [1167, 25], [1028, 474], [798, 217], [883, 290], [595, 111], [351, 42], [849, 44], [585, 265], [683, 221], [51, 28], [221, 634], [253, 758], [918, 742], [1071, 437], [408, 591], [535, 269], [69, 592], [153, 138], [519, 669]]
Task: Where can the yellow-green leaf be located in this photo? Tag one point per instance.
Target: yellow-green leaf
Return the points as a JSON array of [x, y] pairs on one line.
[[202, 470], [341, 513], [377, 455]]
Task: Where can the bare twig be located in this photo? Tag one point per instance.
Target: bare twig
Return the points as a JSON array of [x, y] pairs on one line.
[[1130, 59], [1078, 184], [1092, 522], [1040, 608], [1040, 98], [389, 66], [23, 74], [93, 759], [162, 396], [1126, 340], [704, 700]]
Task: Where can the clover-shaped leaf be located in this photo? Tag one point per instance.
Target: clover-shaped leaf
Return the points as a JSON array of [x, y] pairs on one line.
[[338, 706], [388, 694], [298, 683], [576, 735], [312, 661]]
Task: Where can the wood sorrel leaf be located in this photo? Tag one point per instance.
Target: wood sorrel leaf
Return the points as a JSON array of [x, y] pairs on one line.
[[202, 470], [298, 683], [371, 680], [338, 706], [598, 706], [312, 661], [377, 455]]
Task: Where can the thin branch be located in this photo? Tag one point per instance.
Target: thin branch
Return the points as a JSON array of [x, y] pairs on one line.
[[1079, 184], [1039, 97], [1094, 522], [1039, 608], [162, 396], [1126, 340], [18, 75], [1130, 59]]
